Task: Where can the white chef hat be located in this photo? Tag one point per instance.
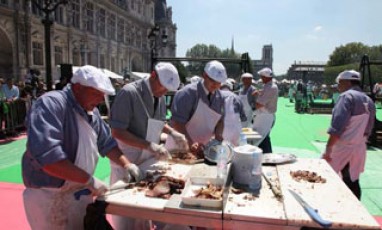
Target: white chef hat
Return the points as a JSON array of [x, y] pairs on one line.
[[349, 75], [265, 72], [246, 75], [227, 84], [93, 77], [216, 71], [168, 75]]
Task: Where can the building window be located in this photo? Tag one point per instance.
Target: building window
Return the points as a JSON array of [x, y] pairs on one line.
[[89, 17], [59, 15], [112, 64], [35, 9], [4, 2], [111, 27], [76, 57], [101, 22], [76, 14], [37, 53], [121, 31], [57, 55], [102, 60]]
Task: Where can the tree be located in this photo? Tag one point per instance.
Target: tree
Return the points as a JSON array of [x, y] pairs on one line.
[[349, 57], [350, 53], [212, 51]]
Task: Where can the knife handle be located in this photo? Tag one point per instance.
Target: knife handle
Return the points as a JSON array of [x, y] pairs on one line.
[[316, 217]]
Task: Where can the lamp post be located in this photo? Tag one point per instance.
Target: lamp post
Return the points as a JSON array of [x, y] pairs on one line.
[[48, 7], [154, 44]]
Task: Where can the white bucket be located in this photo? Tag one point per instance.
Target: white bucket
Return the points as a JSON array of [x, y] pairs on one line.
[[246, 163]]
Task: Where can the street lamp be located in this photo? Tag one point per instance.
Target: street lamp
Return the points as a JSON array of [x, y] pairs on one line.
[[154, 46], [48, 7]]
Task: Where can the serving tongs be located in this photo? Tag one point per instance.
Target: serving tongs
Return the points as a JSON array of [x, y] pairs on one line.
[[275, 190]]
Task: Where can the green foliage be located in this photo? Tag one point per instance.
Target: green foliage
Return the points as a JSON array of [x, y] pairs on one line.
[[211, 51], [350, 53], [181, 70], [349, 57]]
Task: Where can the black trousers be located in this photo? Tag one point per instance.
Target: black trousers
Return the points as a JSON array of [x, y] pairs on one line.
[[352, 185], [266, 145]]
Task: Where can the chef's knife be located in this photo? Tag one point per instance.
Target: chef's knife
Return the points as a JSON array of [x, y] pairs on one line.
[[110, 191], [313, 213]]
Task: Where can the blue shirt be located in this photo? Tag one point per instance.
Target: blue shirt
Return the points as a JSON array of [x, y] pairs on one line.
[[237, 103], [186, 101], [351, 103], [10, 93], [53, 136], [128, 113]]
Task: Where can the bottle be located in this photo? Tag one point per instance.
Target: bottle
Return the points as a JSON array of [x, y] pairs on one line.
[[222, 163], [243, 139]]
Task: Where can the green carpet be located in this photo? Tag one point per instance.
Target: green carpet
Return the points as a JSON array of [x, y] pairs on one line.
[[301, 134]]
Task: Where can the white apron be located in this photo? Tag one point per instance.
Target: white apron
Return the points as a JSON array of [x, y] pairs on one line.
[[202, 124], [351, 147], [248, 111], [56, 208], [263, 123], [232, 126], [143, 159]]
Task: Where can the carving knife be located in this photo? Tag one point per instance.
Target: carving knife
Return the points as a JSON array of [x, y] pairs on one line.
[[313, 213]]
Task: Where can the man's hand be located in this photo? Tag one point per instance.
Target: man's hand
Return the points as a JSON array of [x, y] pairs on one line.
[[327, 154], [180, 140], [96, 186], [132, 172], [159, 151]]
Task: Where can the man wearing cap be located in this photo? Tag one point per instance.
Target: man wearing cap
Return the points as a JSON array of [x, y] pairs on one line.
[[248, 100], [266, 106], [352, 123], [65, 134], [198, 109], [234, 114], [137, 120]]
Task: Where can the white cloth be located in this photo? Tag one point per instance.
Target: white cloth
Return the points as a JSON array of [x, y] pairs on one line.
[[263, 123], [138, 157], [351, 147], [232, 126], [248, 111], [202, 124], [56, 208]]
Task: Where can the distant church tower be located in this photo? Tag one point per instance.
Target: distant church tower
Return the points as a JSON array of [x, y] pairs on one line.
[[163, 18], [265, 61]]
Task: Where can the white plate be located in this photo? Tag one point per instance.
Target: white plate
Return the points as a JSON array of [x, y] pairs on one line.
[[195, 183], [278, 158]]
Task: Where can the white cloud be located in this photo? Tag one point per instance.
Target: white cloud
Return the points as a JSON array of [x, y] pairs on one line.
[[317, 28]]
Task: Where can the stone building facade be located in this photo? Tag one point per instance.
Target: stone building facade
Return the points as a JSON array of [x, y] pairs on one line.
[[111, 34], [265, 61]]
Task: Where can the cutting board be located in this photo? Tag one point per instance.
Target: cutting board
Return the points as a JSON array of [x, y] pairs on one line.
[[334, 201], [264, 209], [136, 198]]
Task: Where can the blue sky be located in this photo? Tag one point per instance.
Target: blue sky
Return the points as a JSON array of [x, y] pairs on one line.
[[299, 30]]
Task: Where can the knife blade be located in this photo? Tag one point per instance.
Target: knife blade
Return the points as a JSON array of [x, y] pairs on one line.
[[110, 191], [313, 213]]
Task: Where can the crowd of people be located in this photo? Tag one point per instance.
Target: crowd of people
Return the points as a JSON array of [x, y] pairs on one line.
[[66, 131]]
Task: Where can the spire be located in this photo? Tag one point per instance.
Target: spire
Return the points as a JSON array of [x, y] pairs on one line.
[[233, 45]]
